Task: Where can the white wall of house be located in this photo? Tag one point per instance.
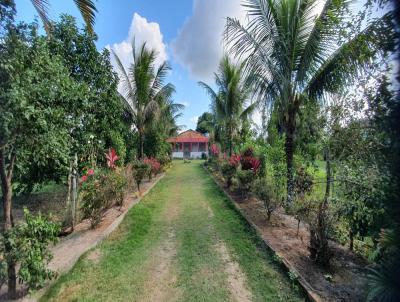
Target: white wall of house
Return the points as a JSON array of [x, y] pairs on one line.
[[192, 154], [177, 154], [196, 154]]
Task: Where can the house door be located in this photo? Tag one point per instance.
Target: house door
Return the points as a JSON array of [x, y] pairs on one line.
[[186, 150]]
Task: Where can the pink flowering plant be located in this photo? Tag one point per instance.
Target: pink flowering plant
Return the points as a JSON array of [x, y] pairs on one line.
[[214, 150], [101, 189]]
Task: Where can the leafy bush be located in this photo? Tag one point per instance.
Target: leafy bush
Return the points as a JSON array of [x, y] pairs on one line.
[[245, 179], [140, 170], [164, 160], [99, 191], [249, 162], [303, 184], [229, 168], [228, 171], [264, 190], [26, 245], [203, 155], [246, 158], [155, 166]]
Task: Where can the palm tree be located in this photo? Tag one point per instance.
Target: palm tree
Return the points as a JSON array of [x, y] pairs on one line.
[[296, 53], [143, 88], [169, 114], [229, 103], [87, 9]]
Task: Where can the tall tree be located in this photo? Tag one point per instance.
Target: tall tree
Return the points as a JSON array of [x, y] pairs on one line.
[[35, 93], [296, 52], [143, 88], [231, 101]]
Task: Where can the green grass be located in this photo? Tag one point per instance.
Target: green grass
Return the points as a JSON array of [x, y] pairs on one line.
[[187, 203]]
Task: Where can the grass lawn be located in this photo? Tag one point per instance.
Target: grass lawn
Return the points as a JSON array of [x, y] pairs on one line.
[[183, 242]]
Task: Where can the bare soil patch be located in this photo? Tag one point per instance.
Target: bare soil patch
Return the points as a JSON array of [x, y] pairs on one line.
[[347, 269]]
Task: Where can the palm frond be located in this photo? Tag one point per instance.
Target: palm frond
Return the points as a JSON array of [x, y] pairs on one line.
[[340, 69], [42, 8], [88, 11]]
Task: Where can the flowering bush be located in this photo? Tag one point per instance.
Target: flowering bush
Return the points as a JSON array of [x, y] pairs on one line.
[[99, 191], [246, 159], [140, 170], [229, 168], [234, 160], [214, 150], [249, 162], [154, 164]]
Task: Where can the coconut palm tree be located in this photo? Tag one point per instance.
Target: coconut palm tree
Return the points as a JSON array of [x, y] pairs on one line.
[[169, 114], [229, 103], [294, 50], [143, 88], [87, 9]]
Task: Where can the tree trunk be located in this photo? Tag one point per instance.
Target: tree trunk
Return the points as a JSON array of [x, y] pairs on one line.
[[319, 245], [141, 142], [351, 236], [230, 140], [6, 184], [289, 160], [328, 175]]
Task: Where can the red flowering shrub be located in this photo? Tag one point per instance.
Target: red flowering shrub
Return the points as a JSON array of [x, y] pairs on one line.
[[255, 165], [249, 162], [246, 159], [234, 160], [214, 150], [155, 166]]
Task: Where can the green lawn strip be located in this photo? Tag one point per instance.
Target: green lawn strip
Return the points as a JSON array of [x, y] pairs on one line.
[[201, 275], [267, 281], [121, 270]]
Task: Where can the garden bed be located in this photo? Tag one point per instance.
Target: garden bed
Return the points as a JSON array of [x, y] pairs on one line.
[[72, 247], [347, 270]]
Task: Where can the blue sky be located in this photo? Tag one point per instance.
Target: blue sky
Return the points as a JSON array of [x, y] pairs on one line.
[[186, 33]]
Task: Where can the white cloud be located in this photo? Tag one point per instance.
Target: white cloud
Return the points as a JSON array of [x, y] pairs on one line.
[[142, 31], [199, 44], [194, 119]]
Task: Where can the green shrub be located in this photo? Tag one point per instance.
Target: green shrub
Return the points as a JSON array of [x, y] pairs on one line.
[[164, 160], [245, 179], [228, 171], [264, 191], [26, 245], [140, 170]]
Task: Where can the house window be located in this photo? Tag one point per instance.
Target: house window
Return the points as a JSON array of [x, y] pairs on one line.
[[202, 147]]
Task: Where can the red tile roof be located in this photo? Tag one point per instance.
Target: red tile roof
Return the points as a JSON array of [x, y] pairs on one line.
[[189, 136]]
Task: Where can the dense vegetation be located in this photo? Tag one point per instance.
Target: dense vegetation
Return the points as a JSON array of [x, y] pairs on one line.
[[326, 150], [60, 113], [324, 88]]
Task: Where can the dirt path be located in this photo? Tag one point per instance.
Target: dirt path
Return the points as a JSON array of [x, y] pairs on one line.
[[182, 242]]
